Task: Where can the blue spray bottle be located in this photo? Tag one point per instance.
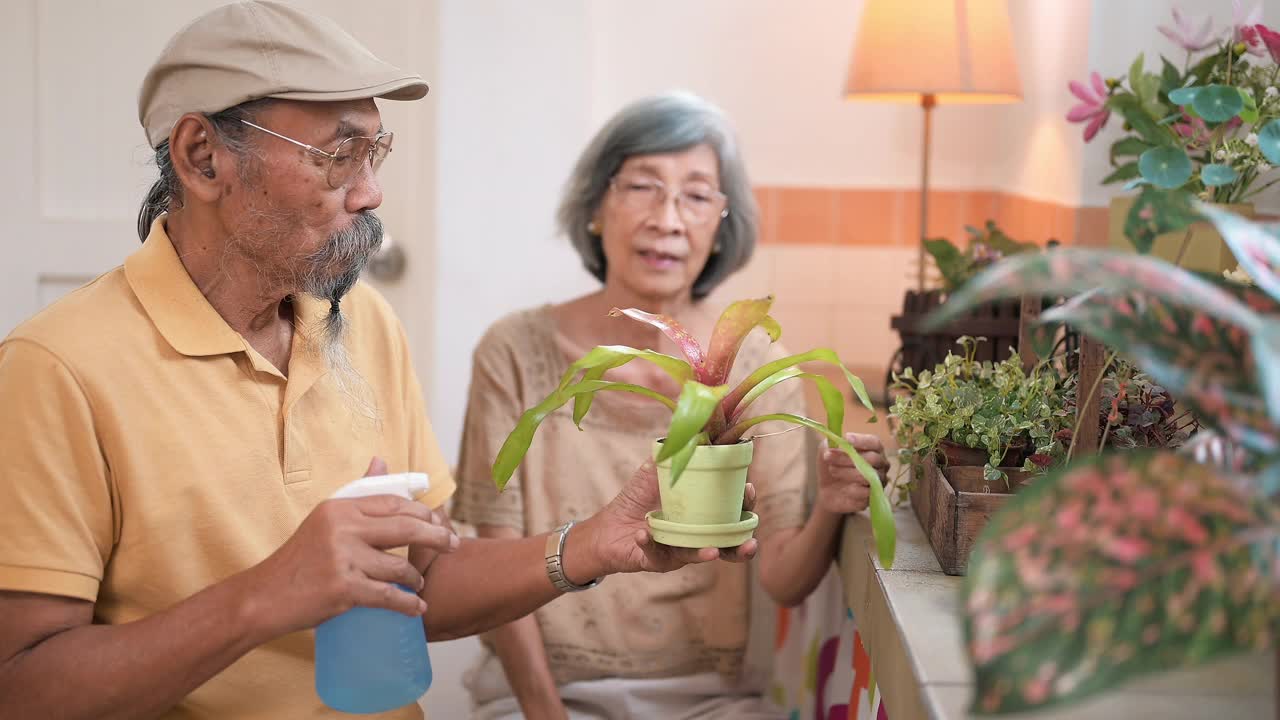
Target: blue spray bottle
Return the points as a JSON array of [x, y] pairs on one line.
[[372, 660]]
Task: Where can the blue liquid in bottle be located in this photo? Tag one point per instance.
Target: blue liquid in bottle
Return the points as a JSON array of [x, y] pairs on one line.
[[371, 660]]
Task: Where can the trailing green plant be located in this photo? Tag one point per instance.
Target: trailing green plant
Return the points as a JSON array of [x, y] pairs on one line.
[[708, 411], [995, 407], [986, 245], [1127, 563]]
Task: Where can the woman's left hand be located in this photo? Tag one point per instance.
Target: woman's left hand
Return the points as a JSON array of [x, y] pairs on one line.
[[841, 488]]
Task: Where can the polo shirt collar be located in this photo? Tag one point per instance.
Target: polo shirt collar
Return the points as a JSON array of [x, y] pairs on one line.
[[181, 312]]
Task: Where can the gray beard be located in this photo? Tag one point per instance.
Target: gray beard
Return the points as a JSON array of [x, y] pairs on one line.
[[329, 275]]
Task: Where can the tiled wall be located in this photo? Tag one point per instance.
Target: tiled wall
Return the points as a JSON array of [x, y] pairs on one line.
[[839, 259]]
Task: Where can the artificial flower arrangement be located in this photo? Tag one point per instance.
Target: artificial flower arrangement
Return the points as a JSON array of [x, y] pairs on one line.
[[1211, 126]]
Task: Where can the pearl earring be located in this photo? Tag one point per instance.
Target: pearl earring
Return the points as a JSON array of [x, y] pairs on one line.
[[593, 228]]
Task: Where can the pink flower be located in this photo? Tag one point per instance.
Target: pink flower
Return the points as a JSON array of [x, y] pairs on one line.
[[1243, 27], [1193, 129], [1092, 107], [1271, 39], [1185, 34]]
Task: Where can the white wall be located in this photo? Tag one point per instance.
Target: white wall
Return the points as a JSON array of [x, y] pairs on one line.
[[1036, 153], [512, 102]]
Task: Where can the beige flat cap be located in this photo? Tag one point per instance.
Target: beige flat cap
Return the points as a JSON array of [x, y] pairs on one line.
[[252, 50]]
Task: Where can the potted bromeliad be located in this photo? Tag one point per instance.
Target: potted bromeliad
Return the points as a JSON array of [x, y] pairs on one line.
[[702, 462], [1124, 563]]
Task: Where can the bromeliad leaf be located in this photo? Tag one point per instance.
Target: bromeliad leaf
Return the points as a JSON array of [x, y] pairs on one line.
[[604, 358], [680, 460], [1072, 271], [832, 398], [517, 443], [1207, 363], [674, 332], [1115, 567], [882, 526], [734, 398], [731, 329], [696, 404]]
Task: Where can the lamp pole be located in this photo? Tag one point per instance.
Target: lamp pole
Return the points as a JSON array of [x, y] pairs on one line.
[[927, 103]]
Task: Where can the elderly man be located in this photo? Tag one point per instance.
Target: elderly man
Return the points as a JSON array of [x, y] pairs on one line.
[[172, 430]]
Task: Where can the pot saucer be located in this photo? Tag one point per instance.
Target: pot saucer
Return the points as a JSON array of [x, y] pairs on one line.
[[725, 535]]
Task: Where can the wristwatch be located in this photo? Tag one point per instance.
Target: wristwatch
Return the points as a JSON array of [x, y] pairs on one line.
[[555, 559]]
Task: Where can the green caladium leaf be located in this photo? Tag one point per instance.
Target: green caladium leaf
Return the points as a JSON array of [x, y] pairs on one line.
[[1217, 103], [731, 329], [674, 331], [734, 398], [517, 443], [1207, 363], [694, 408], [1269, 142], [604, 358], [1165, 167], [1256, 246], [1114, 567], [1156, 212], [1217, 174], [832, 398], [882, 526]]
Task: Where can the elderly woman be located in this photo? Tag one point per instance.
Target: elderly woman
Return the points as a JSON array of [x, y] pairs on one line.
[[661, 212]]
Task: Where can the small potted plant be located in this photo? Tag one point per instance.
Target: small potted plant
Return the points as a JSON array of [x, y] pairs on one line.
[[994, 415], [707, 439], [971, 434], [1127, 563]]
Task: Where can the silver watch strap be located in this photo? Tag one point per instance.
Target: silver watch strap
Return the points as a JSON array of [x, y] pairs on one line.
[[555, 561]]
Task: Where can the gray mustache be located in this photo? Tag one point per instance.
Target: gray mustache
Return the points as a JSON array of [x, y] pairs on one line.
[[335, 268]]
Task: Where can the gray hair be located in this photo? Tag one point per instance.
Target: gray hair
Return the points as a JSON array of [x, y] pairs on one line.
[[667, 123], [166, 191]]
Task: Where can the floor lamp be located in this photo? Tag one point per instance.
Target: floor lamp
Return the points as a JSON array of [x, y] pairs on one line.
[[931, 52]]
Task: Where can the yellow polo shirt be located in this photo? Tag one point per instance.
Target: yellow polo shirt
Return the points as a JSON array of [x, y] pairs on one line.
[[147, 452]]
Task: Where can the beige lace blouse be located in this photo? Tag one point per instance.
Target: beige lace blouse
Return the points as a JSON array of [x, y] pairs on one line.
[[640, 625]]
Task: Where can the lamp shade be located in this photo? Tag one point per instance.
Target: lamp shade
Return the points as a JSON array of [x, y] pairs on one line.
[[959, 51]]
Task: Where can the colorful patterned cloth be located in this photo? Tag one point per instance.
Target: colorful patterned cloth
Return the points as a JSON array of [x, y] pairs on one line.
[[821, 669]]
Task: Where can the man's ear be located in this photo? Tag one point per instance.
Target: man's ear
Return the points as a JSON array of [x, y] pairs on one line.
[[191, 150]]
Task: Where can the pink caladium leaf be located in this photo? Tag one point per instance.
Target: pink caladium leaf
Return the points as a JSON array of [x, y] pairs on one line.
[[1114, 567], [674, 332]]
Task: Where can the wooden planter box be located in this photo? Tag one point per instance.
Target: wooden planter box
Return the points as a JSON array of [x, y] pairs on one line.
[[953, 506]]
